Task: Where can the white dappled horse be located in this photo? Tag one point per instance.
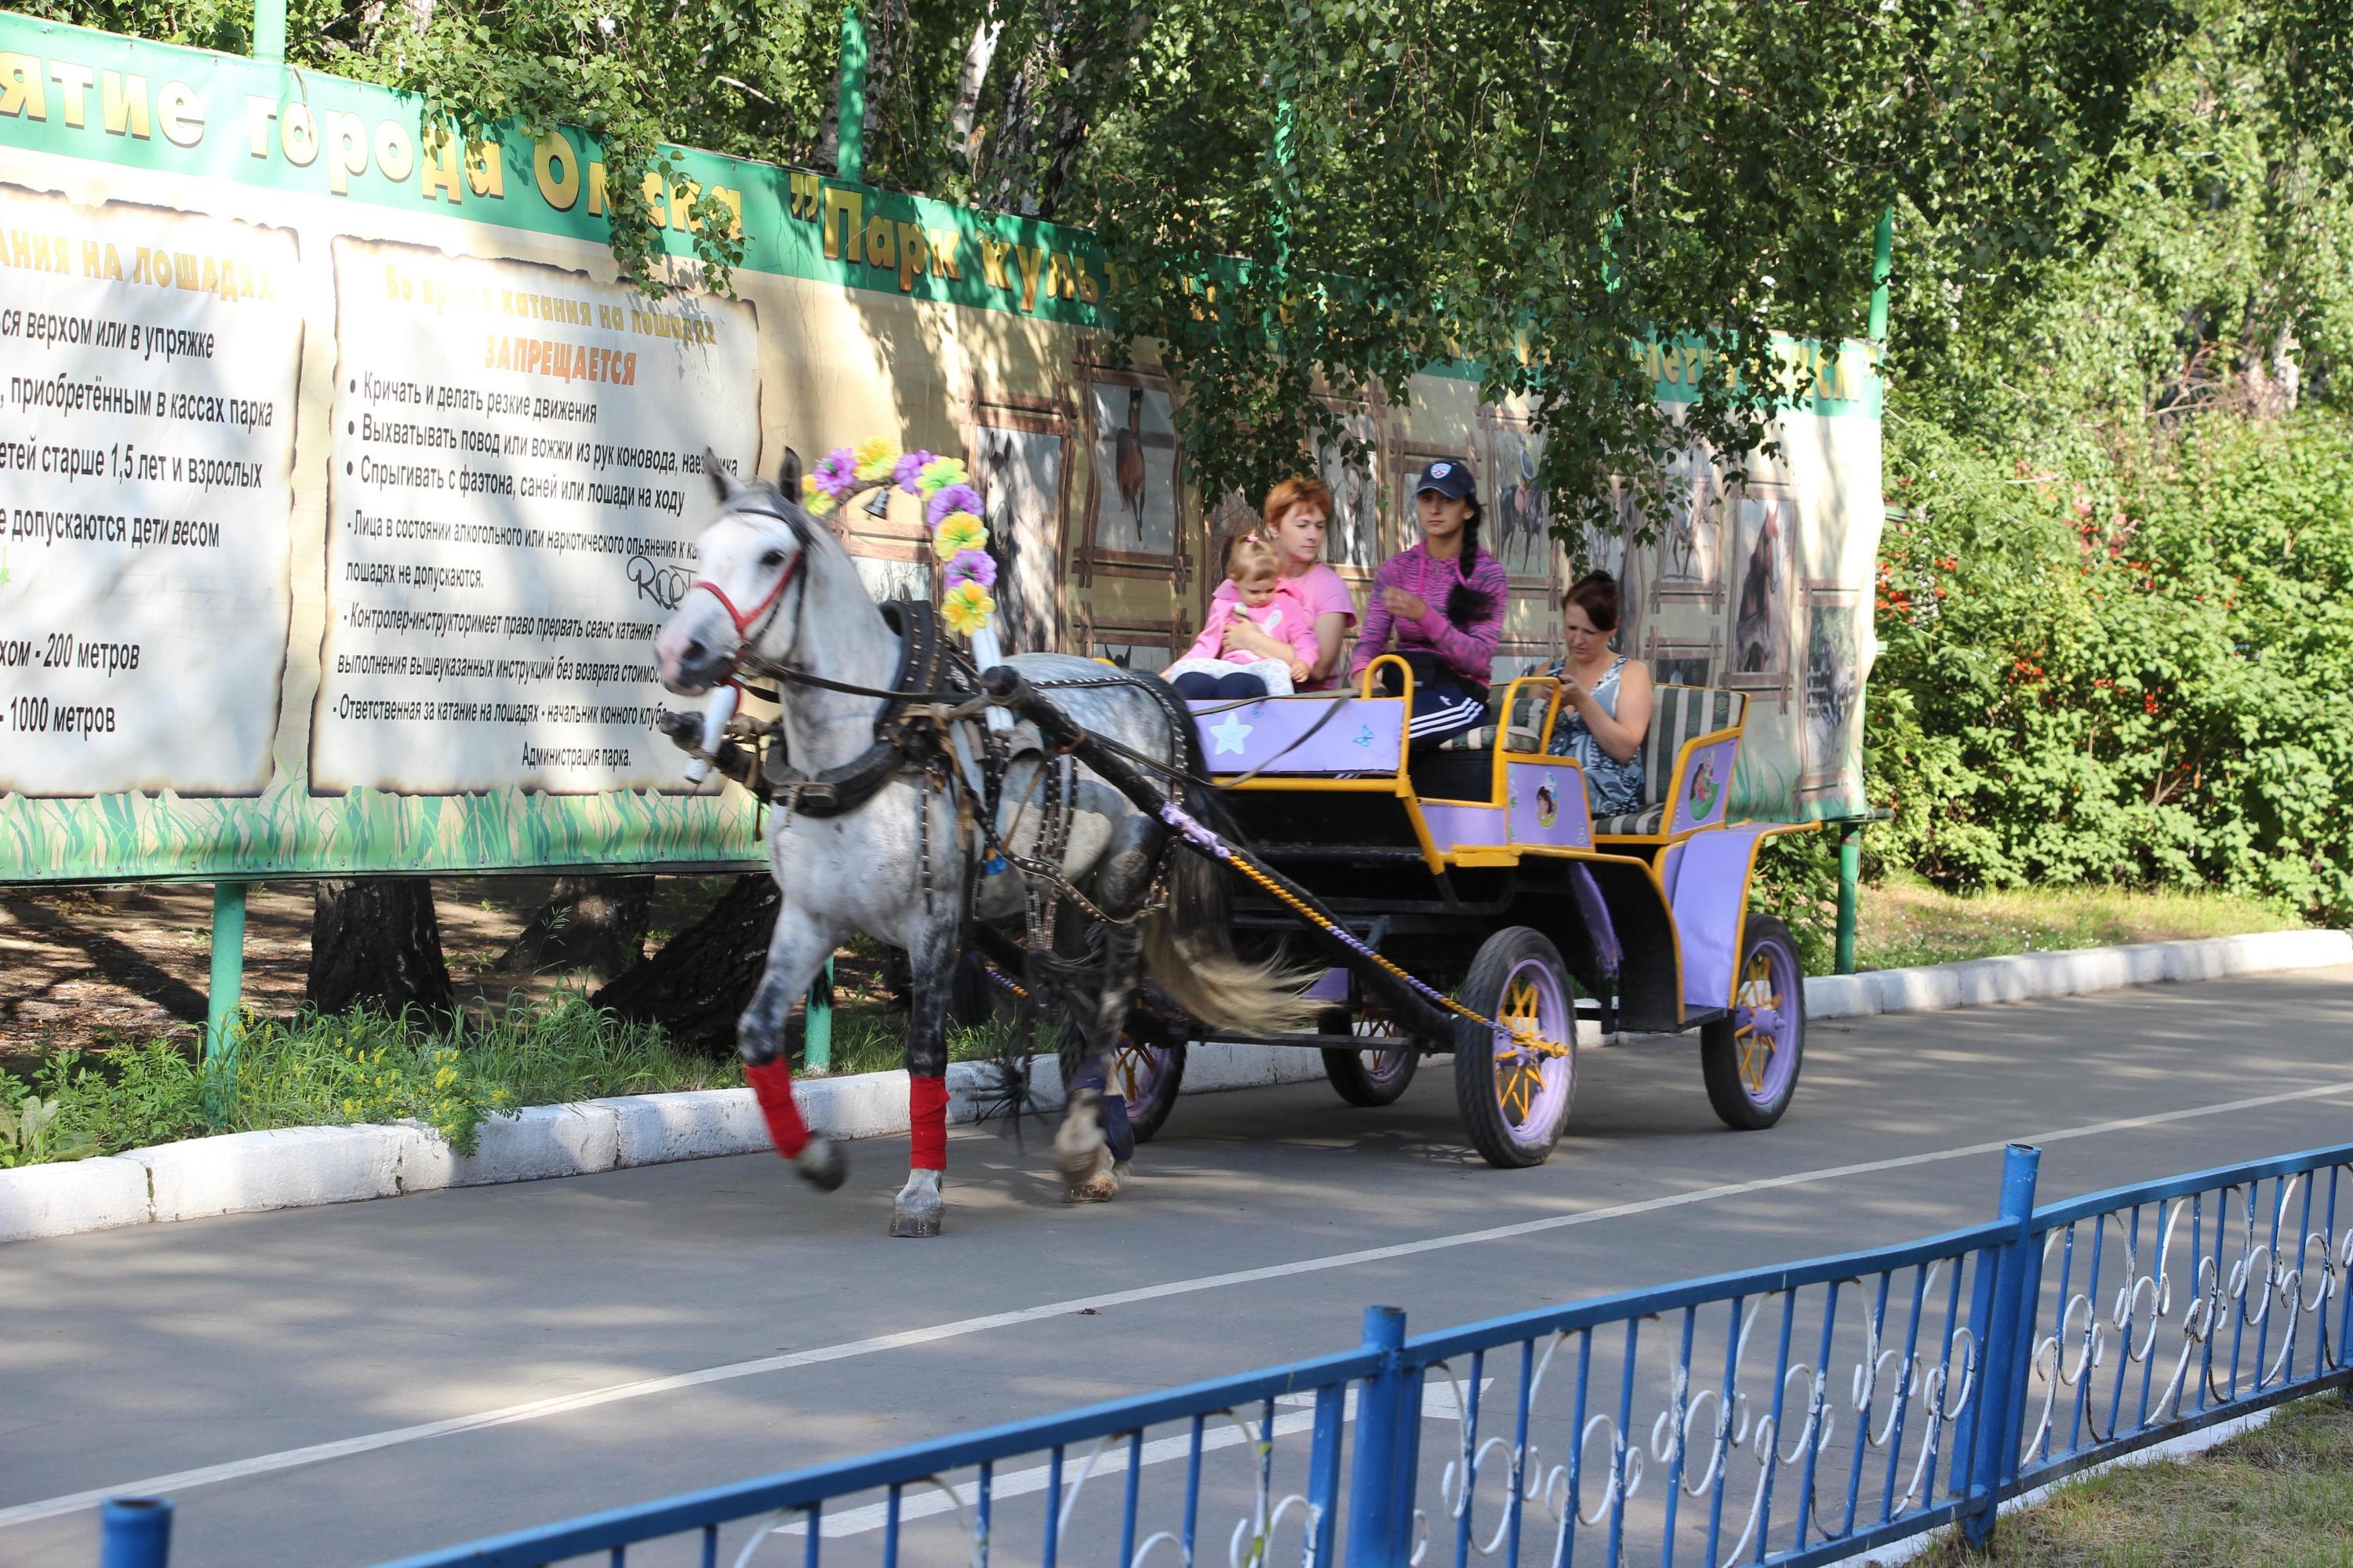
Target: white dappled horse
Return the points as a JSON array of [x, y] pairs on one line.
[[779, 596]]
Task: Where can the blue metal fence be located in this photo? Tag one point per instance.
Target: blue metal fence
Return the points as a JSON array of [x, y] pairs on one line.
[[1779, 1416]]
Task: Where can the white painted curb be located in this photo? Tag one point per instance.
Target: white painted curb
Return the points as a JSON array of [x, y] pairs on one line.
[[288, 1168], [304, 1166], [2022, 977], [66, 1200]]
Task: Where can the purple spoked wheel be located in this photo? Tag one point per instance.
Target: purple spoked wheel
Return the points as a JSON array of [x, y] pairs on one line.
[[1147, 1071], [1515, 1083], [1372, 1076], [1751, 1058]]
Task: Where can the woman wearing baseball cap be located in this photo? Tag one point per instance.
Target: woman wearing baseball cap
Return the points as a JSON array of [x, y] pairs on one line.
[[1442, 602]]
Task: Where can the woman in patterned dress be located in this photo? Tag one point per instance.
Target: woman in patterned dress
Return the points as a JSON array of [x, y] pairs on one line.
[[1598, 686]]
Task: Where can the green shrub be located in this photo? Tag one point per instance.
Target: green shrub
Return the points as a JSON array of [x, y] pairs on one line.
[[2140, 675], [76, 1106], [1797, 879]]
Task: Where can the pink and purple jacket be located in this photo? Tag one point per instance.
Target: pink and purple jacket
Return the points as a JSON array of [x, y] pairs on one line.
[[1284, 617], [1468, 653]]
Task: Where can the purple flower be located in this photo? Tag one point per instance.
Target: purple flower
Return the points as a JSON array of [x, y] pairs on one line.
[[910, 470], [973, 566], [837, 475], [955, 498]]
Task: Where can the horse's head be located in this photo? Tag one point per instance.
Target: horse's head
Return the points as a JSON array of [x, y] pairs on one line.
[[750, 554]]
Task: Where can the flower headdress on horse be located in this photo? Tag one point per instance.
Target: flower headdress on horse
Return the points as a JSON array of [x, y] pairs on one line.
[[952, 511]]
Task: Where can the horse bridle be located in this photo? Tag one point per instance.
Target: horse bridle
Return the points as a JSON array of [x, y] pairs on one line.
[[754, 623]]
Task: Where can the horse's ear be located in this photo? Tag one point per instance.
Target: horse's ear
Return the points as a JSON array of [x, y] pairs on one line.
[[728, 486], [788, 474]]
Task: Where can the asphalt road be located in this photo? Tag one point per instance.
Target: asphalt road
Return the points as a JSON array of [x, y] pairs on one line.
[[371, 1380]]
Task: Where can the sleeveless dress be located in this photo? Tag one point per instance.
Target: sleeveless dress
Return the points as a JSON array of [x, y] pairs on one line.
[[1616, 787]]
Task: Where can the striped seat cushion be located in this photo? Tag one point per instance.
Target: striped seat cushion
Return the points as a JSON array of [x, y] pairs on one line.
[[1642, 822], [1679, 714]]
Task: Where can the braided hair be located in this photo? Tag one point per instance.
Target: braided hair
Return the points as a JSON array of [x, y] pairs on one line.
[[1466, 605]]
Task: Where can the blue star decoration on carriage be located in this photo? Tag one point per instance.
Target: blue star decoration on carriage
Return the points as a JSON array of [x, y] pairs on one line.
[[1230, 733]]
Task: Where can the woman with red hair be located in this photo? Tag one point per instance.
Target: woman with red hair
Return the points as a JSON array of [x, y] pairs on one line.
[[1293, 521]]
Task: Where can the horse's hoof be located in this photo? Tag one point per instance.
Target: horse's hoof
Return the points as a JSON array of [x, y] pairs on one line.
[[822, 1164], [919, 1208], [1100, 1183]]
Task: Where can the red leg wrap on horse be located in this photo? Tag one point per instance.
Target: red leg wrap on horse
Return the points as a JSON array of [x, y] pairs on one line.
[[927, 1121], [772, 1085]]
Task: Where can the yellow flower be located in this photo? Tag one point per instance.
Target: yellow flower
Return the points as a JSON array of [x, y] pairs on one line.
[[876, 459], [959, 532], [967, 608], [815, 502], [940, 473]]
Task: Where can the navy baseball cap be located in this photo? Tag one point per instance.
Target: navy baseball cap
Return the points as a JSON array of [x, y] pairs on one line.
[[1450, 478]]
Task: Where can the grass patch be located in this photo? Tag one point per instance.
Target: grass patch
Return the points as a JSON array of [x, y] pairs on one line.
[[1902, 922], [343, 1069], [2281, 1495], [334, 1070], [877, 1042]]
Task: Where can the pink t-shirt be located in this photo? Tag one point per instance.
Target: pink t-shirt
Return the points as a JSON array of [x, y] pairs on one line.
[[1284, 617], [1322, 590]]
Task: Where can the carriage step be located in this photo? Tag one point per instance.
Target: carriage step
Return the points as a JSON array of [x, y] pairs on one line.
[[1310, 1042], [1302, 854]]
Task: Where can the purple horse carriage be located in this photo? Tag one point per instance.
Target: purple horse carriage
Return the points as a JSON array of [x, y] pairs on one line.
[[1476, 908]]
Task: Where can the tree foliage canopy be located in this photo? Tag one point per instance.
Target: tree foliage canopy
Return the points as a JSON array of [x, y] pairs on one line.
[[1378, 185], [2115, 643]]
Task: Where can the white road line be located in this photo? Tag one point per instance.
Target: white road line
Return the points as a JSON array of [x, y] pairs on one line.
[[589, 1399]]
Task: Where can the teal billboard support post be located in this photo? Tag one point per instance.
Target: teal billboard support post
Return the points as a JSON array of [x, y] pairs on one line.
[[229, 970], [849, 114], [1850, 879], [1883, 268], [816, 1036], [270, 30]]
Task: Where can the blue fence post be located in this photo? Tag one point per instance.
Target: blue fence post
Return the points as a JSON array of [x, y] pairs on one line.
[[1376, 1537], [1324, 1474], [134, 1532], [1993, 1452]]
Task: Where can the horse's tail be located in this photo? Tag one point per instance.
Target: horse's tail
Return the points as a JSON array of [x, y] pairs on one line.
[[1189, 945]]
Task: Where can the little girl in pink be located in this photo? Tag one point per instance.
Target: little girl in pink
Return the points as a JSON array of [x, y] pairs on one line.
[[1211, 668]]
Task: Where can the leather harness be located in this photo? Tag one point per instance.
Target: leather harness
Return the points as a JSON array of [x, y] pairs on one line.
[[925, 659]]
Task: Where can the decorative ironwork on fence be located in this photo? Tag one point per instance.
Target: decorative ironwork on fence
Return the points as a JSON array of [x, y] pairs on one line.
[[1781, 1416]]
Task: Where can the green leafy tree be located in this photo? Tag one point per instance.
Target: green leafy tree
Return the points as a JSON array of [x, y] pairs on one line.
[[1378, 186], [2113, 645], [1342, 192]]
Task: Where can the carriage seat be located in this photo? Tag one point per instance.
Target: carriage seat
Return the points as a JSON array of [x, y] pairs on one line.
[[1680, 716]]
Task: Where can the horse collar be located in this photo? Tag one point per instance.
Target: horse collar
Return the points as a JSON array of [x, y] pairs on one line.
[[837, 791]]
